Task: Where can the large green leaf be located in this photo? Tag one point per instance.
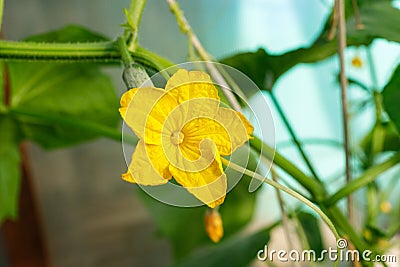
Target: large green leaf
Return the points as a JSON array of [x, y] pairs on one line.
[[9, 168], [184, 227], [265, 69], [374, 26], [237, 251], [48, 97], [391, 97], [68, 34]]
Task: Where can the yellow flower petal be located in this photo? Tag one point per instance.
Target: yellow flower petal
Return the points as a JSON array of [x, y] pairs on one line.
[[229, 130], [208, 184], [157, 119], [148, 166], [174, 136], [185, 85], [137, 103], [237, 126], [199, 129]]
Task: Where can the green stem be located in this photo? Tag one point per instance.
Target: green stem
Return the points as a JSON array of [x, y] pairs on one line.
[[372, 203], [313, 141], [284, 189], [102, 51], [293, 135], [133, 16], [313, 186], [368, 176], [123, 49], [77, 52], [342, 222]]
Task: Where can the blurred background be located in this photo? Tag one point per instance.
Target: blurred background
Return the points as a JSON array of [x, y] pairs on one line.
[[90, 216]]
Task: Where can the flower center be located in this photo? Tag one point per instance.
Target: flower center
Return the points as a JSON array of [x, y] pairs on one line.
[[177, 137]]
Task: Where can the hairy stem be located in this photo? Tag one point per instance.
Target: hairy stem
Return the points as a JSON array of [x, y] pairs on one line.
[[133, 16], [77, 52], [123, 49], [102, 51]]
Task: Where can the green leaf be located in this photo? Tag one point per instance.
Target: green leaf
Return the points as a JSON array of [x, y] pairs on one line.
[[79, 92], [374, 26], [177, 224], [68, 34], [9, 168], [391, 97], [237, 251], [259, 66], [312, 231], [265, 69]]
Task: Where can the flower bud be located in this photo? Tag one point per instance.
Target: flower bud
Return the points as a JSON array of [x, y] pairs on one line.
[[385, 207], [214, 227]]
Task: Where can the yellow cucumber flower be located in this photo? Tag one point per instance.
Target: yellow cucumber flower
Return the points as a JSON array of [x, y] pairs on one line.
[[183, 132]]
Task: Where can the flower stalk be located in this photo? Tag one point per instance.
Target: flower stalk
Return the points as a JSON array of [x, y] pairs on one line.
[[134, 75], [369, 176], [287, 190]]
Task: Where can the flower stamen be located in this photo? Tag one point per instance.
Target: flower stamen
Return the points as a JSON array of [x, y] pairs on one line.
[[177, 137]]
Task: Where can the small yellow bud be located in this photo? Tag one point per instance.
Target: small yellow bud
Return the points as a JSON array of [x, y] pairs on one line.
[[357, 62], [367, 234], [214, 227], [383, 243], [385, 206]]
